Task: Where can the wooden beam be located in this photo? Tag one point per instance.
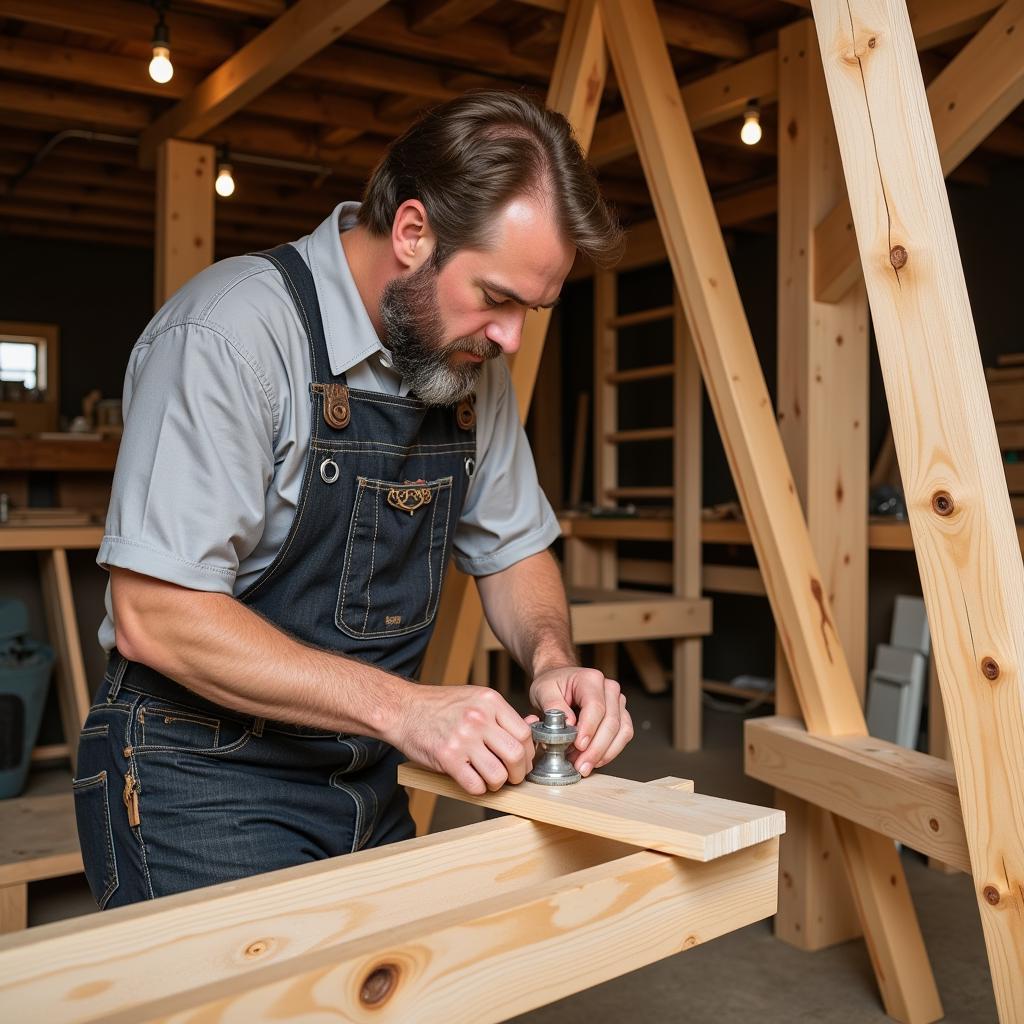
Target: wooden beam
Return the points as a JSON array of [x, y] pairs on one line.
[[435, 17], [702, 32], [899, 793], [423, 970], [658, 616], [294, 37], [184, 215], [971, 571], [739, 397], [969, 98], [689, 825], [687, 448], [822, 402]]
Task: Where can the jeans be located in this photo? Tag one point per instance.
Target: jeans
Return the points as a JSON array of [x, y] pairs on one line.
[[173, 794]]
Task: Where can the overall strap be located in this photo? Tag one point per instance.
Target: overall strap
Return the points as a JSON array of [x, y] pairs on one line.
[[299, 280]]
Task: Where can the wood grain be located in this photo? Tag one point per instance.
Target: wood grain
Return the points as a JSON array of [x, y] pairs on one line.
[[967, 550], [689, 825]]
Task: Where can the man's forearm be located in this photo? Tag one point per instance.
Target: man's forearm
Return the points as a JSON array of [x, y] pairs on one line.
[[527, 609], [225, 652]]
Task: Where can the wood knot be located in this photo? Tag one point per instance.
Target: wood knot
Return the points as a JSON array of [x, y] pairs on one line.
[[255, 949], [933, 824], [990, 668], [942, 503], [379, 984], [898, 257], [872, 43], [991, 894]]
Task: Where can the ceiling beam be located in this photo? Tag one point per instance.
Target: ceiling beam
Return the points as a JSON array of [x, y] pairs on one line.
[[708, 101], [435, 17], [971, 96], [125, 19], [294, 37]]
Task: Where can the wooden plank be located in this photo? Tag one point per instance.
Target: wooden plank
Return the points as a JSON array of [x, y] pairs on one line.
[[732, 579], [660, 616], [303, 30], [25, 453], [689, 825], [435, 17], [688, 402], [610, 528], [40, 538], [899, 793], [455, 967], [38, 838], [184, 215], [822, 401], [739, 397], [968, 553], [1007, 398], [239, 928], [606, 402], [577, 84], [62, 629], [968, 99]]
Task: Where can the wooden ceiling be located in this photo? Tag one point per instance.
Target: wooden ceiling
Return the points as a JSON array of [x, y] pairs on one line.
[[71, 71]]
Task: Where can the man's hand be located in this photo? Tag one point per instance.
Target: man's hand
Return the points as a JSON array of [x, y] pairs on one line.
[[603, 726], [468, 732]]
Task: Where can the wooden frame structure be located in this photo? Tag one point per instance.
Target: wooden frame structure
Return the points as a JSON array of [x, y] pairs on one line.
[[967, 550], [421, 930]]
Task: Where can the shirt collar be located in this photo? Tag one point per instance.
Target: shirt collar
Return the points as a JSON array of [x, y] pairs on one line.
[[350, 333]]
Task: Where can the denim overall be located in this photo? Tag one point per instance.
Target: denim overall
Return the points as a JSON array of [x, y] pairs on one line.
[[173, 791]]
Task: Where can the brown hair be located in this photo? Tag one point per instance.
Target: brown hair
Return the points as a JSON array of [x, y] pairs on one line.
[[467, 158]]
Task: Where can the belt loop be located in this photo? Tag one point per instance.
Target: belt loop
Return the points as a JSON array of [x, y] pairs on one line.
[[119, 670], [257, 726]]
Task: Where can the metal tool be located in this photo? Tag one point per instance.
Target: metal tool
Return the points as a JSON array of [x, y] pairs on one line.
[[553, 738]]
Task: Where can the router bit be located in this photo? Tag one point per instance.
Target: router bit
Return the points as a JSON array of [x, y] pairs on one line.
[[553, 738]]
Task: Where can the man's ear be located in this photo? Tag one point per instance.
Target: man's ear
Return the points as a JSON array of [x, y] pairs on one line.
[[412, 238]]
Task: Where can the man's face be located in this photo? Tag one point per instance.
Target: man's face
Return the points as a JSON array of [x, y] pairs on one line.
[[443, 325]]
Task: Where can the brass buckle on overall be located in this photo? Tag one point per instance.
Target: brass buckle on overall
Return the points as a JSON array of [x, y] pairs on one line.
[[409, 499]]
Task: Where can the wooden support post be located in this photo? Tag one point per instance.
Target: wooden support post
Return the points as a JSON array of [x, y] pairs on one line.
[[687, 663], [823, 419], [968, 99], [738, 394], [967, 551], [13, 908], [606, 455], [73, 690], [184, 214], [576, 87]]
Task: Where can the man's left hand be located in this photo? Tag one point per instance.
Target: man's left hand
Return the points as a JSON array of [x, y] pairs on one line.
[[603, 724]]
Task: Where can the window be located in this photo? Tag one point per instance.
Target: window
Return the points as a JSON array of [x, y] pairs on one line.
[[23, 359]]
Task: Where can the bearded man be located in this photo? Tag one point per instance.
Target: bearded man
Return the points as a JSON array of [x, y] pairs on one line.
[[310, 433]]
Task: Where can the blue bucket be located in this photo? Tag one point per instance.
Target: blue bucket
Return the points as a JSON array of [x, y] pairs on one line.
[[25, 670]]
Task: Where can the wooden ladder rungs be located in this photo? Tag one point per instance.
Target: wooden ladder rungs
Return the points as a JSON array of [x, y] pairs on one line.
[[646, 316], [640, 373], [645, 434]]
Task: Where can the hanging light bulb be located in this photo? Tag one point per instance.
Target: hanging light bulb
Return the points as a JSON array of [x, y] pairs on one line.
[[750, 133], [161, 69], [225, 183]]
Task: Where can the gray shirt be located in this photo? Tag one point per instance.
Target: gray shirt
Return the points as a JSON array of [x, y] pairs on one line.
[[216, 414]]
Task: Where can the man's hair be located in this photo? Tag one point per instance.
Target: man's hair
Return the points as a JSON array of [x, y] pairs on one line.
[[467, 158]]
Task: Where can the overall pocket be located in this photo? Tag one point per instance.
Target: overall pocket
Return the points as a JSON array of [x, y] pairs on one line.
[[394, 558]]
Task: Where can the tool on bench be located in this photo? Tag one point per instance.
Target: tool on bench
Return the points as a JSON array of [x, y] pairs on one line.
[[553, 738]]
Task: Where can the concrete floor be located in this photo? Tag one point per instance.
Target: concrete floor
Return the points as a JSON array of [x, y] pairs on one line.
[[746, 975]]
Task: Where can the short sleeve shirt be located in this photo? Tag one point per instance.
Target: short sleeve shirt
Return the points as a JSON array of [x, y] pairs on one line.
[[216, 413]]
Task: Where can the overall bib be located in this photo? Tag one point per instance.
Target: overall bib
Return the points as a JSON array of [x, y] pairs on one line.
[[174, 792]]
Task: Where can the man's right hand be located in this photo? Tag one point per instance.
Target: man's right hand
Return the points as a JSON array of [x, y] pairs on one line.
[[468, 732]]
